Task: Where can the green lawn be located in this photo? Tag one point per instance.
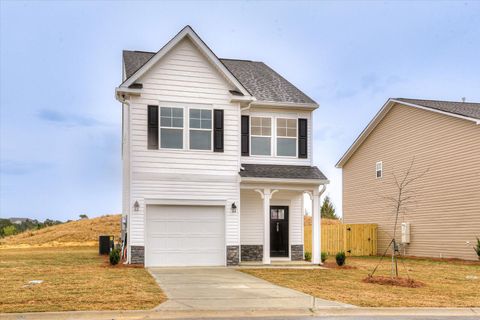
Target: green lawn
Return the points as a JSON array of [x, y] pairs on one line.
[[75, 278]]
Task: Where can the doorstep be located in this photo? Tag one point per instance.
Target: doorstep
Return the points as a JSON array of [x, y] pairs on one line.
[[279, 265]]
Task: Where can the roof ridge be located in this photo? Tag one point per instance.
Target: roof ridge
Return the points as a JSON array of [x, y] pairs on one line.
[[448, 101], [231, 59]]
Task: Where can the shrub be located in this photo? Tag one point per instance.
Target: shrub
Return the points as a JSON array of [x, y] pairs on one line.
[[477, 248], [308, 256], [340, 258], [114, 256], [323, 256]]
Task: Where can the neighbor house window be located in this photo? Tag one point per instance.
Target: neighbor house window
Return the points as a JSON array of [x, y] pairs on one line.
[[171, 128], [261, 136], [287, 137], [379, 169], [200, 129]]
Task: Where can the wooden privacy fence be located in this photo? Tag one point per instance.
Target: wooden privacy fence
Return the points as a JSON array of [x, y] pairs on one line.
[[353, 239]]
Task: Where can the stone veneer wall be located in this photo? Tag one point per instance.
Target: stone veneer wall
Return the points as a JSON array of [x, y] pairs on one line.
[[138, 254], [233, 255], [252, 252], [296, 252]]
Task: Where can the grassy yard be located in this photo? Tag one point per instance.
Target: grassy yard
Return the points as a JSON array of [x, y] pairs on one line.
[[448, 284], [75, 278]]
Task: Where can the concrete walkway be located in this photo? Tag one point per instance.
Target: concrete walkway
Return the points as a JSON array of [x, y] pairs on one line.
[[190, 289]]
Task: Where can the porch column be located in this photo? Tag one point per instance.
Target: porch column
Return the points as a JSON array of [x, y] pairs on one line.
[[266, 226], [316, 227]]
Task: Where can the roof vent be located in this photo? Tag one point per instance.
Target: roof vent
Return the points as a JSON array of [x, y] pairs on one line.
[[463, 99]]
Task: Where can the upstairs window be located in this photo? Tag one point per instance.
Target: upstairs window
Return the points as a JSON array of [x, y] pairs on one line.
[[261, 136], [171, 128], [200, 129], [379, 169], [287, 137]]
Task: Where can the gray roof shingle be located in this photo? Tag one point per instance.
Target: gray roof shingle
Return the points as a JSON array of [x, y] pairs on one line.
[[467, 109], [264, 83], [281, 171], [259, 79]]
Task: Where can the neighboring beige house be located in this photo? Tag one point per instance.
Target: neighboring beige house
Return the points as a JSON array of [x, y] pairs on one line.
[[441, 136]]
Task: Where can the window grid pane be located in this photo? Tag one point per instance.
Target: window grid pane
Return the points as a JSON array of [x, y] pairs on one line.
[[201, 119], [261, 126], [287, 128]]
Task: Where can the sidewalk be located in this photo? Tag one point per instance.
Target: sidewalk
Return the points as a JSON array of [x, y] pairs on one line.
[[153, 315]]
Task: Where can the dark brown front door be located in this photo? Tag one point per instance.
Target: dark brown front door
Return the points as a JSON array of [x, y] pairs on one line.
[[279, 231]]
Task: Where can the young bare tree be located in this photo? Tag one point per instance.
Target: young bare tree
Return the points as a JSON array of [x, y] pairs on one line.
[[400, 202]]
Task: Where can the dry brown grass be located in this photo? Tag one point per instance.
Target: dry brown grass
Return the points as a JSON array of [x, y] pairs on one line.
[[447, 284], [74, 233], [74, 279]]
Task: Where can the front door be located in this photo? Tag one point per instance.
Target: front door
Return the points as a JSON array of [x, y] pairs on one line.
[[279, 231]]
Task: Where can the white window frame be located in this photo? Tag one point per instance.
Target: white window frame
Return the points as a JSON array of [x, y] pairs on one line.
[[378, 165], [200, 129], [282, 137], [272, 120], [174, 128]]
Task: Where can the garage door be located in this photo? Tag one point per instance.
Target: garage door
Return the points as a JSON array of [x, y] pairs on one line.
[[185, 236]]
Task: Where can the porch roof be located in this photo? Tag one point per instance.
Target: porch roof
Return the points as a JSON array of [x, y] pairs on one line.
[[281, 172]]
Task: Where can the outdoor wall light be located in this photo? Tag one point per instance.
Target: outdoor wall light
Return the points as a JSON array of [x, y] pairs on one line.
[[234, 208], [136, 206]]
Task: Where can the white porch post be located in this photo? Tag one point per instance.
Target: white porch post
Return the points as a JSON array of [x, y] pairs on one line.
[[316, 225], [266, 226]]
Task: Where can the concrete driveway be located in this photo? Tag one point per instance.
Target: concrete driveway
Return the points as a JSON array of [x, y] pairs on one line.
[[227, 289]]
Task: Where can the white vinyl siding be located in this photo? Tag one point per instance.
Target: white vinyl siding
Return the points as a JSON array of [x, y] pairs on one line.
[[184, 78]]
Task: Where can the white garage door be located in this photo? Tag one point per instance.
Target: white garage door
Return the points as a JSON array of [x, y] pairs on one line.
[[185, 236]]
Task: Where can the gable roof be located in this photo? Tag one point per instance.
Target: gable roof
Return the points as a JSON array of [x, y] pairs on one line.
[[258, 79], [466, 109], [186, 32], [463, 110]]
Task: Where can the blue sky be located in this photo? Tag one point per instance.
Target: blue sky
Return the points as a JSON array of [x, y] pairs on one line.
[[60, 62]]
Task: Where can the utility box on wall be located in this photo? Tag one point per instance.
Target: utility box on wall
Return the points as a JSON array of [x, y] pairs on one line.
[[405, 232]]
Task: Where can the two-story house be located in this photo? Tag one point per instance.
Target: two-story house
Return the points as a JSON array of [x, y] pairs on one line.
[[217, 157]]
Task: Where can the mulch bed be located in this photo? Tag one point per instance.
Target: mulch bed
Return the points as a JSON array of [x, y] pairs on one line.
[[394, 281]]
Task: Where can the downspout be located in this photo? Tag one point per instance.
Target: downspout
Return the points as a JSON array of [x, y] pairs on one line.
[[123, 99]]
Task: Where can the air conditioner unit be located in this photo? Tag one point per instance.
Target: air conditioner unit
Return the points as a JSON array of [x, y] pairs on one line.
[[405, 232]]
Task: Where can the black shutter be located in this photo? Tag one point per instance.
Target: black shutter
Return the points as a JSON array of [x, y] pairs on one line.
[[302, 138], [245, 136], [152, 127], [218, 130]]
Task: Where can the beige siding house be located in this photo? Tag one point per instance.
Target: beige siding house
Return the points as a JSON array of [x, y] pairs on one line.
[[441, 137]]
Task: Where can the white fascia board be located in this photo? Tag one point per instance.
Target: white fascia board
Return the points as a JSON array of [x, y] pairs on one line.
[[276, 104], [283, 181], [185, 202], [379, 116], [187, 32], [235, 98]]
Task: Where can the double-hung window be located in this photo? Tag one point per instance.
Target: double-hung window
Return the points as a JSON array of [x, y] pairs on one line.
[[171, 128], [261, 136], [200, 129], [286, 137]]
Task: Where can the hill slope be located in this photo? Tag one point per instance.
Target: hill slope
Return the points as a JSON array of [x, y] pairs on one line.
[[75, 233]]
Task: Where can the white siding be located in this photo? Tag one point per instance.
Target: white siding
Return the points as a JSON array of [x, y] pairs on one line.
[[281, 113], [251, 215], [183, 77]]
